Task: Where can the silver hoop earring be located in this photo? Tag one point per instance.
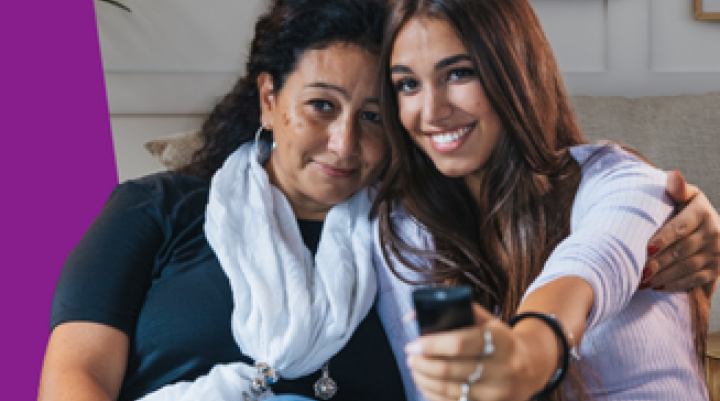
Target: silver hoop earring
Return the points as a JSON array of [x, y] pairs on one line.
[[263, 147]]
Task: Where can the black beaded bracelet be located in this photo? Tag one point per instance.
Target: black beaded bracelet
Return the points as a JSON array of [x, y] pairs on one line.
[[554, 324]]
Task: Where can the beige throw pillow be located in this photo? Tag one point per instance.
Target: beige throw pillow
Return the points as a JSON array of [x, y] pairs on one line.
[[176, 150]]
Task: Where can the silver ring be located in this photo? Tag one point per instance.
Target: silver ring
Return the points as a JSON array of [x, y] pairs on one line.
[[465, 392], [475, 376], [489, 348]]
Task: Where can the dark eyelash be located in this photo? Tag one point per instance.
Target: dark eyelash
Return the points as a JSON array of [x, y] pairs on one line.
[[319, 103], [466, 72], [402, 83], [376, 119]]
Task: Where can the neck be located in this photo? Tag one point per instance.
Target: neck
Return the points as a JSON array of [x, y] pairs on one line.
[[305, 213]]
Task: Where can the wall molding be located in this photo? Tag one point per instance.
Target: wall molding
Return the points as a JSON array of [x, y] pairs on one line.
[[681, 45], [160, 93]]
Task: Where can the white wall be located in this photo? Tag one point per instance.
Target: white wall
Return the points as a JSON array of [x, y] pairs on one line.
[[166, 64], [168, 61]]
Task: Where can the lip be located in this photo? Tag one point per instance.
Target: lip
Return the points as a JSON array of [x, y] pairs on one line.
[[449, 146], [334, 171]]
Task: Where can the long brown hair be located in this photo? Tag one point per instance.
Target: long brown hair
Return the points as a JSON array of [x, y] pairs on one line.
[[530, 180]]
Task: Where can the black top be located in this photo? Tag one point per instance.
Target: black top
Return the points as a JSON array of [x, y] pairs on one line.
[[145, 267]]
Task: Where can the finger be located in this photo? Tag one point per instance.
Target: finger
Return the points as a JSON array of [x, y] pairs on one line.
[[452, 390], [466, 343], [437, 389], [409, 317], [702, 277], [462, 342], [679, 251], [431, 395], [444, 369], [709, 288], [434, 397], [686, 222], [679, 190], [682, 269], [482, 316]]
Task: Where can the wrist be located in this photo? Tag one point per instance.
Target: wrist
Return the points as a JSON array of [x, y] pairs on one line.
[[551, 359], [541, 354]]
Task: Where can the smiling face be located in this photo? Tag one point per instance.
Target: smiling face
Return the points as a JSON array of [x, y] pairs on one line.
[[441, 101], [325, 121]]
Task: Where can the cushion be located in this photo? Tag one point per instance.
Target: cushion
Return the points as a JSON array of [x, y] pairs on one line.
[[176, 150]]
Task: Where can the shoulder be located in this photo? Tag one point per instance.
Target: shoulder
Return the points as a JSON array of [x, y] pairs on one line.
[[609, 169], [166, 184], [605, 161], [164, 191], [615, 182]]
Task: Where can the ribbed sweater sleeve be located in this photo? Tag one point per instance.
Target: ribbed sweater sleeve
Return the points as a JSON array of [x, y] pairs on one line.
[[620, 204]]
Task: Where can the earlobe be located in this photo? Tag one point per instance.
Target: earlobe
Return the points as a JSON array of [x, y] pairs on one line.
[[267, 99]]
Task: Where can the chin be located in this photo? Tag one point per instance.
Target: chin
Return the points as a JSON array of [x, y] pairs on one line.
[[453, 170], [332, 198]]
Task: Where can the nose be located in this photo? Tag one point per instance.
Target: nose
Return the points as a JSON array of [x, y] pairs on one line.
[[344, 137], [436, 105]]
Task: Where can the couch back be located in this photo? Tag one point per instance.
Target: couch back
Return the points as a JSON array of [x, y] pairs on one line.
[[674, 132]]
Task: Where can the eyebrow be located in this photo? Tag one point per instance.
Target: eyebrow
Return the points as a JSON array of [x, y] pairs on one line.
[[342, 91], [446, 62], [323, 85]]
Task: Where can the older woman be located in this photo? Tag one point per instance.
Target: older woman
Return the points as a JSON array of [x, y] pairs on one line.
[[269, 262]]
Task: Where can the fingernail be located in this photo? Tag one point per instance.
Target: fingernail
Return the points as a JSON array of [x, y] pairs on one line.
[[413, 349], [652, 250], [409, 317], [643, 286], [646, 273], [659, 288]]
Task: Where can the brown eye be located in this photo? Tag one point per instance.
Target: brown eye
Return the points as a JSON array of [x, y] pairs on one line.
[[460, 73], [370, 116], [321, 105], [406, 85]]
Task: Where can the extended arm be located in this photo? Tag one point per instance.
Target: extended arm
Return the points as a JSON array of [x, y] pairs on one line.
[[590, 277]]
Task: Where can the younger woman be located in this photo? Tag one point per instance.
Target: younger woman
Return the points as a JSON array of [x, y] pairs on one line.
[[490, 172]]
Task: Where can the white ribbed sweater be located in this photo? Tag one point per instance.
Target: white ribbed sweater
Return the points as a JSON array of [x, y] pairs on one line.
[[638, 343]]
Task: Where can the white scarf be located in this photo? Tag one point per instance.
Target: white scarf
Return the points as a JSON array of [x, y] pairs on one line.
[[290, 312]]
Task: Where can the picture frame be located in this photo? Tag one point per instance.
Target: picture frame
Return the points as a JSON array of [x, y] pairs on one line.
[[706, 10]]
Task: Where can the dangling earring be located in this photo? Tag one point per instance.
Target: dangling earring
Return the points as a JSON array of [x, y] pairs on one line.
[[263, 147]]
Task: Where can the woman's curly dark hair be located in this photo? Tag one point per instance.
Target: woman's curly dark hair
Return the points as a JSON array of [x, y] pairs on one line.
[[282, 36]]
